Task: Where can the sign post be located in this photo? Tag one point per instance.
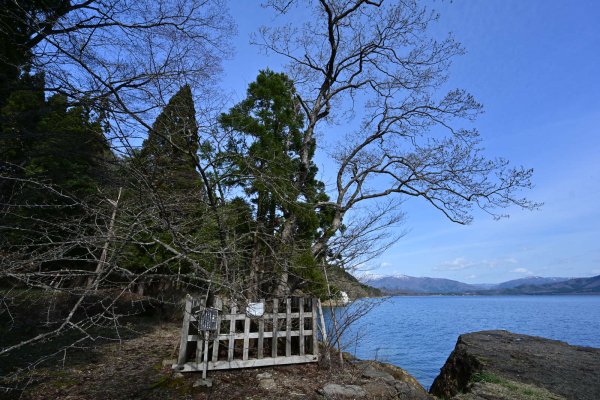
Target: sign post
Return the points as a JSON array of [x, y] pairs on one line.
[[207, 322]]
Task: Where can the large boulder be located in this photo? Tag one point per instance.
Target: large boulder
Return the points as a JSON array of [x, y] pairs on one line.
[[505, 365], [377, 381]]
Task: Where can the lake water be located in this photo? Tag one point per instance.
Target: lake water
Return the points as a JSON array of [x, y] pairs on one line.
[[419, 333]]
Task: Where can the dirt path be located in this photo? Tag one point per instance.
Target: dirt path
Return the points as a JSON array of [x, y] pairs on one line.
[[134, 370], [129, 370]]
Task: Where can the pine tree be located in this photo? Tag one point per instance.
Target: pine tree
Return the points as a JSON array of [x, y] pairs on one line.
[[265, 151]]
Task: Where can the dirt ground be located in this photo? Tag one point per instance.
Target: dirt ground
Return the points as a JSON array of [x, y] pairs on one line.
[[140, 369]]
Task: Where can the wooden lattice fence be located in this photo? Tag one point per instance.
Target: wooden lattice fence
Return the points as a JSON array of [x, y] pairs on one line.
[[285, 333]]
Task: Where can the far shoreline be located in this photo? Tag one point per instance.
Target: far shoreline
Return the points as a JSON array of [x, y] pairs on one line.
[[488, 294]]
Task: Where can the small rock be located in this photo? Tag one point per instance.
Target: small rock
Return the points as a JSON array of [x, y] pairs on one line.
[[177, 375], [267, 384], [266, 381], [264, 375], [380, 390], [203, 383], [333, 390], [168, 362], [407, 391], [373, 373]]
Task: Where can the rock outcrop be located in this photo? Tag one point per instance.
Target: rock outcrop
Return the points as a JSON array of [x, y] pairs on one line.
[[505, 365], [377, 381]]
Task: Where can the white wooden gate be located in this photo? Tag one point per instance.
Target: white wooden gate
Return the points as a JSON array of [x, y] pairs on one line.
[[286, 333]]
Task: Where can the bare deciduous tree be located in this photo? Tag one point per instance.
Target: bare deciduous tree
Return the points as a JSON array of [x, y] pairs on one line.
[[123, 60], [375, 61]]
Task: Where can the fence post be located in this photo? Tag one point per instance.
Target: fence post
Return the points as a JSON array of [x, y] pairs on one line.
[[275, 328], [261, 333], [184, 331], [315, 341], [301, 324], [288, 327], [246, 338], [218, 304], [233, 314], [201, 341]]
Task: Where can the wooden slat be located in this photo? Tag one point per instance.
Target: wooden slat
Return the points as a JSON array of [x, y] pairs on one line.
[[275, 323], [301, 324], [199, 348], [240, 317], [215, 349], [199, 339], [246, 338], [184, 332], [205, 359], [231, 334], [288, 327], [261, 334], [190, 367], [254, 335], [315, 342]]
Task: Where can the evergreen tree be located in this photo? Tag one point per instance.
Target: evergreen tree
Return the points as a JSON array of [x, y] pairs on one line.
[[54, 161], [169, 153], [265, 151], [48, 140], [19, 21], [170, 205]]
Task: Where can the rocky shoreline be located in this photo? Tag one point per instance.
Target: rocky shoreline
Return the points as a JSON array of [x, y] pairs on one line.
[[491, 365], [504, 365], [488, 365]]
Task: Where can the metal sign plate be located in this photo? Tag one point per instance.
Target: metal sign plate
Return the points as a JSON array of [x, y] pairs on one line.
[[208, 319]]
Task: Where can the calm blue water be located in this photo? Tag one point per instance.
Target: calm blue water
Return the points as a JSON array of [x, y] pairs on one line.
[[419, 333]]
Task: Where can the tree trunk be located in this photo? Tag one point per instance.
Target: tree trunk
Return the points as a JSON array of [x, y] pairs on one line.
[[287, 242], [94, 281]]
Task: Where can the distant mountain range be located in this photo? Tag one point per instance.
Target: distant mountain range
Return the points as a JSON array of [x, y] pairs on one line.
[[403, 284], [570, 286], [530, 280]]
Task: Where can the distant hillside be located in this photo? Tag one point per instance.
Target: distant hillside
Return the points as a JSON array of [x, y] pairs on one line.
[[352, 286], [403, 284], [410, 284], [571, 286], [530, 280]]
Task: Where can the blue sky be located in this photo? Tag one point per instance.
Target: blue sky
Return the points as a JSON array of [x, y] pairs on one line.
[[535, 66]]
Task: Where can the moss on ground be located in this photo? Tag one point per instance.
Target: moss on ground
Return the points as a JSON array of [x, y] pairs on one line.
[[489, 385]]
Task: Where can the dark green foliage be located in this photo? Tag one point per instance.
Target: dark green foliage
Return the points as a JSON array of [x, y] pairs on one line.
[[53, 165], [307, 275], [169, 153], [49, 140], [265, 153], [20, 25], [56, 158], [164, 198]]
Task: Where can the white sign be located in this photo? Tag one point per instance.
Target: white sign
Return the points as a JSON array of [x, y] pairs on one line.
[[254, 310]]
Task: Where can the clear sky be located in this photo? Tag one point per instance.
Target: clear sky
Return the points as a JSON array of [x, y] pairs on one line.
[[535, 65]]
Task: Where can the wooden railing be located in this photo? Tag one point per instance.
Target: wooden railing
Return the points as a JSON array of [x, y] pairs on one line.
[[285, 333]]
